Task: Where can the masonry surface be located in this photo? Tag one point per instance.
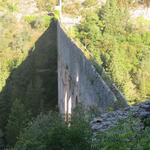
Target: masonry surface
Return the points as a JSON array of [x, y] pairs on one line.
[[78, 81]]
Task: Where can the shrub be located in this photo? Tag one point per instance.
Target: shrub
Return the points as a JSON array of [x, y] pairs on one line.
[[30, 19], [128, 134], [72, 9], [89, 3], [38, 22], [52, 132]]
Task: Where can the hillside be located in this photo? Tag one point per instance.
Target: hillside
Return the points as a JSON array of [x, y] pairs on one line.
[[28, 65], [117, 41]]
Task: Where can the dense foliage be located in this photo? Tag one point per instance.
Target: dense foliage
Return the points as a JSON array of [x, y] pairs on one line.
[[28, 77], [120, 46], [28, 61], [51, 132]]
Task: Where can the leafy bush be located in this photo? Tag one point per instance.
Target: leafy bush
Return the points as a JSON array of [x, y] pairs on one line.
[[73, 9], [17, 120], [38, 22], [128, 134], [51, 132], [89, 3], [123, 50], [13, 7], [30, 19], [46, 5]]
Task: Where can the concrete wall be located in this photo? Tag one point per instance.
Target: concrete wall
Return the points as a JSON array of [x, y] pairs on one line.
[[78, 80]]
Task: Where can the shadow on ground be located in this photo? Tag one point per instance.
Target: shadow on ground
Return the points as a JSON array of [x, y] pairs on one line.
[[34, 82]]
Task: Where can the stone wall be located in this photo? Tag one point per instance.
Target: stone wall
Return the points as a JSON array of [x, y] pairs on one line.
[[78, 80]]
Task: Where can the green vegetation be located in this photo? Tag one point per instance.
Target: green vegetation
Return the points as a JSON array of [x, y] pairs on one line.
[[46, 5], [51, 132], [28, 77], [33, 83], [89, 3], [13, 45], [9, 5], [28, 61], [126, 135], [119, 46], [17, 120], [38, 22]]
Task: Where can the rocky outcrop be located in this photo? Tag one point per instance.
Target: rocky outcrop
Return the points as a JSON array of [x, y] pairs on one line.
[[109, 120]]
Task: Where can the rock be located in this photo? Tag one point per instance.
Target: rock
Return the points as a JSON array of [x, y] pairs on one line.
[[109, 120], [144, 114], [146, 107], [97, 120]]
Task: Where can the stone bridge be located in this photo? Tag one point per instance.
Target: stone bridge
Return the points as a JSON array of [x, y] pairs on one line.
[[78, 80]]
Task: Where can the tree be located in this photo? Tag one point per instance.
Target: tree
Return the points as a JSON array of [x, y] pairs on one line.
[[89, 31], [17, 120], [51, 132], [114, 17], [144, 76]]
